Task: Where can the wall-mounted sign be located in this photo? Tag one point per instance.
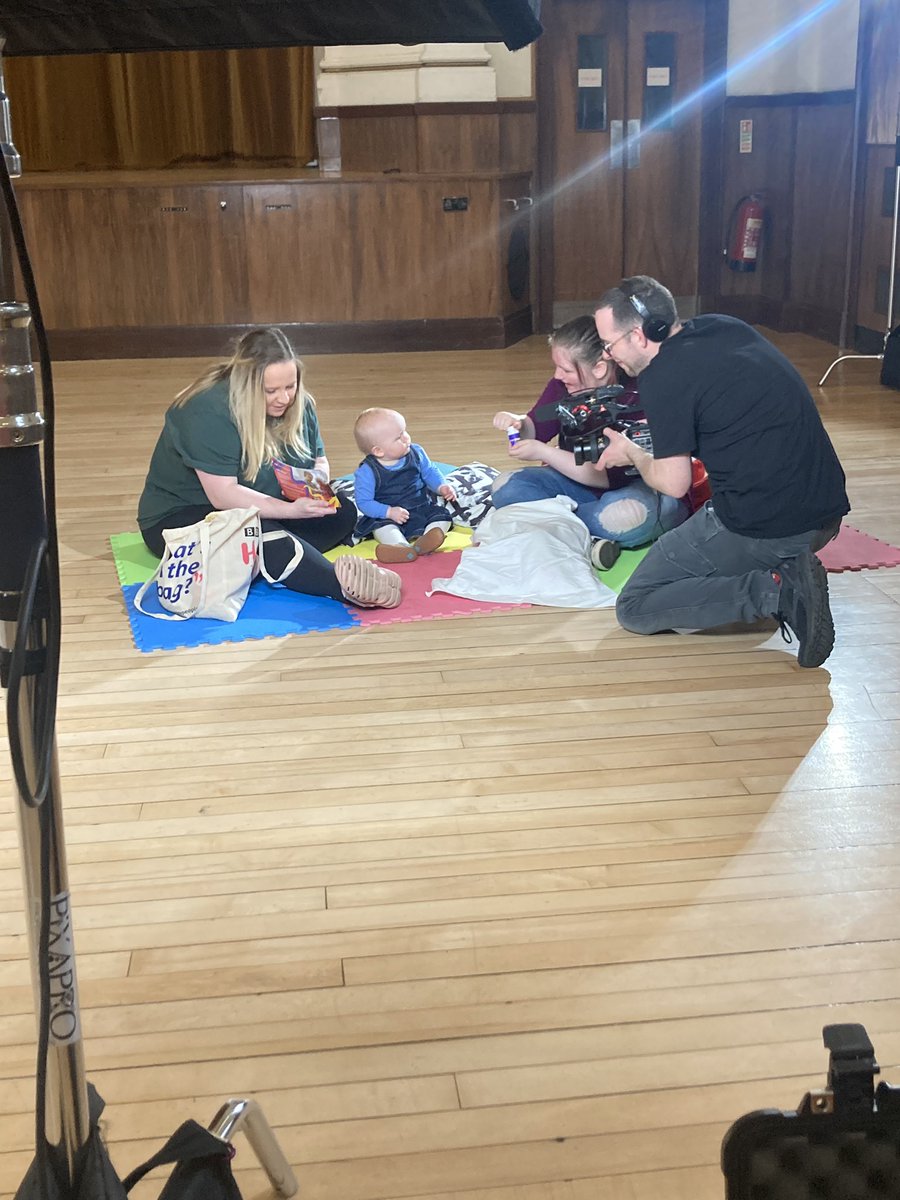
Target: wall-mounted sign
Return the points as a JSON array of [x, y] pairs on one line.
[[590, 77]]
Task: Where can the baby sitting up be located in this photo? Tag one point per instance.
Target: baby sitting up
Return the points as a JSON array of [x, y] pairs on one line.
[[394, 485]]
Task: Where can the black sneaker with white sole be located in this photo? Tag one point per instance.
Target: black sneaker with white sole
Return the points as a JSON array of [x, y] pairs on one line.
[[803, 608], [604, 553]]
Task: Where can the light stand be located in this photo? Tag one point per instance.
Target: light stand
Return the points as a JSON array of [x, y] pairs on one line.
[[892, 271], [66, 1133], [33, 637]]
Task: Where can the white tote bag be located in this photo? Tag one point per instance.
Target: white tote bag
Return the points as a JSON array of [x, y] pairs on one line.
[[207, 568]]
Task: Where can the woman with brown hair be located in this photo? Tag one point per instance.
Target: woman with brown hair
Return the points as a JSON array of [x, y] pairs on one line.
[[619, 509]]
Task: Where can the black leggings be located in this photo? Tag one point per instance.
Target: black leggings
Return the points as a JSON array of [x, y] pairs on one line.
[[313, 575]]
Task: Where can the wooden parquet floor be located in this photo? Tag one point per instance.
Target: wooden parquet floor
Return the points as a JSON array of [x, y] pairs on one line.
[[515, 907]]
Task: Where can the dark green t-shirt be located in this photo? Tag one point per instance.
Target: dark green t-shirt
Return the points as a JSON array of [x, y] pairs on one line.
[[201, 436]]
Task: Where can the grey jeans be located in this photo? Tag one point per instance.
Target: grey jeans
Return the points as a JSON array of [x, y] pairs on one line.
[[701, 575]]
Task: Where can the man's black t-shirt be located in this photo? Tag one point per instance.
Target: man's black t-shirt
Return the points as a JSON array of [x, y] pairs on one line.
[[719, 391]]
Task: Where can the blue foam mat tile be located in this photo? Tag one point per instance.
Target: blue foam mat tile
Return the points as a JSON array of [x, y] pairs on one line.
[[267, 612]]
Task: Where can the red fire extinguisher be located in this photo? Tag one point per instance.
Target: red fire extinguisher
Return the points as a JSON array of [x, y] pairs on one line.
[[746, 228]]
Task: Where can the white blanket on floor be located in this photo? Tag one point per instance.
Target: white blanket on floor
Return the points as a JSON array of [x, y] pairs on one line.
[[532, 553]]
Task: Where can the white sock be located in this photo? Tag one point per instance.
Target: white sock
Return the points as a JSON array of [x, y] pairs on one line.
[[390, 535]]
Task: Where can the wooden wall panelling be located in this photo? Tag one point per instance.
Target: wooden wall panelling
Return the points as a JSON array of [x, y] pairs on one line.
[[131, 256], [51, 221], [344, 251], [450, 142], [518, 140], [876, 206], [769, 170], [801, 163], [823, 163], [303, 244], [425, 262], [712, 173], [381, 140], [662, 191], [543, 218], [516, 251], [93, 257], [138, 269], [581, 190], [188, 248], [392, 256], [437, 138]]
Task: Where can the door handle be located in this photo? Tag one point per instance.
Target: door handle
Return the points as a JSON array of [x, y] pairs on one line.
[[633, 145], [616, 134]]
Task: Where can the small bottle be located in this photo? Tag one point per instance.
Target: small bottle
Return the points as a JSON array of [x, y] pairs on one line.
[[512, 434]]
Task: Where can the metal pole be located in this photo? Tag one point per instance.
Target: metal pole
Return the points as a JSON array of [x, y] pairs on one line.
[[21, 431], [246, 1115], [14, 167], [892, 264], [66, 1108]]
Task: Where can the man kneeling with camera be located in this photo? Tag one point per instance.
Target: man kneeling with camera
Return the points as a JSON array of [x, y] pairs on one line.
[[581, 399], [715, 389]]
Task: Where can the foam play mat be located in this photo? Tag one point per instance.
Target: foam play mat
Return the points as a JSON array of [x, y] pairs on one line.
[[418, 605], [623, 568], [267, 612], [275, 612], [852, 550]]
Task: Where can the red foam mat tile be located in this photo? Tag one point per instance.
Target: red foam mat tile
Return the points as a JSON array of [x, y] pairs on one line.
[[852, 550], [417, 606]]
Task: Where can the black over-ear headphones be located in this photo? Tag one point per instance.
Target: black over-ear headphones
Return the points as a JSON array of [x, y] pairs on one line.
[[654, 329]]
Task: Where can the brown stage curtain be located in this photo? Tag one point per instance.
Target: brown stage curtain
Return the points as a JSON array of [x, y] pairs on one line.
[[138, 111]]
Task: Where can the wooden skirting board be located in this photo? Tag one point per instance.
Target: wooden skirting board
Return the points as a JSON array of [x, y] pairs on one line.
[[782, 315], [359, 337]]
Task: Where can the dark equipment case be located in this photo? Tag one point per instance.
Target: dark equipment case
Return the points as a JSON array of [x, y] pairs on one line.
[[842, 1143]]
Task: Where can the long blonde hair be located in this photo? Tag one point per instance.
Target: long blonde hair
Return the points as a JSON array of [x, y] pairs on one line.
[[262, 438]]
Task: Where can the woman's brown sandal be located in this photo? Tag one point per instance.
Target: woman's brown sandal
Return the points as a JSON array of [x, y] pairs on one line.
[[365, 584]]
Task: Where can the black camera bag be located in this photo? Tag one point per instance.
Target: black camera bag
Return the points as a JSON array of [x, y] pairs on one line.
[[842, 1143]]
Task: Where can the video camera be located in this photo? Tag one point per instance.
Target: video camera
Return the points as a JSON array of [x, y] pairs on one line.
[[584, 415]]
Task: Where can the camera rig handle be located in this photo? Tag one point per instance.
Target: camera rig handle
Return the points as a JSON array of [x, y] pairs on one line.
[[851, 1067], [589, 398], [606, 394], [850, 1086]]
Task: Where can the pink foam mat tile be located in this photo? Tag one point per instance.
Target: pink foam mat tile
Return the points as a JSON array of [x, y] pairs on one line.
[[853, 550], [417, 606]]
